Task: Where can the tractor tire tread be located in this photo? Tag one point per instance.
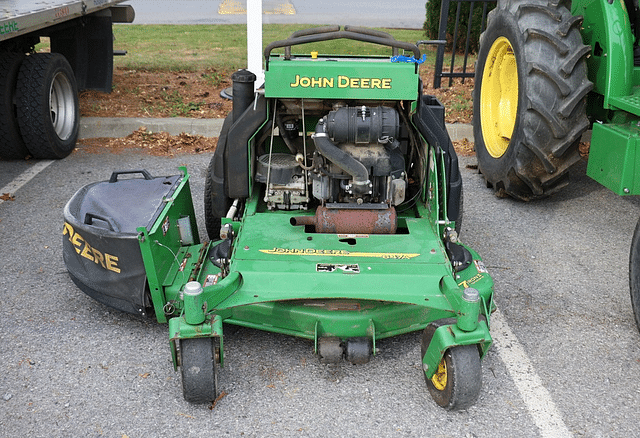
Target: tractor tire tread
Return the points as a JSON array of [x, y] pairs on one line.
[[552, 113]]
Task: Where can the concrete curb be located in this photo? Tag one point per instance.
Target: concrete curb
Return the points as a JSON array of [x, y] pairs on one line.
[[92, 127], [113, 127]]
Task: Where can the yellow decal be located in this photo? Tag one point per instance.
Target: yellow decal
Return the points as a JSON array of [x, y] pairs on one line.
[[341, 82], [339, 253], [473, 280], [107, 261]]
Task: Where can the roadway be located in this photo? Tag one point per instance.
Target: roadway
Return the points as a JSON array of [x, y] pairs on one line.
[[373, 13], [565, 361]]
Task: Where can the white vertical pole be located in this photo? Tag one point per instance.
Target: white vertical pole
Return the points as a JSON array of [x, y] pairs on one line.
[[254, 40]]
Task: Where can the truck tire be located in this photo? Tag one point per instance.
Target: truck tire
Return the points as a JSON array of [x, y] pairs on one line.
[[47, 105], [12, 146], [529, 97]]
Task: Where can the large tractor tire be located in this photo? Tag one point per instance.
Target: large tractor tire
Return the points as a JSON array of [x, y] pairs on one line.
[[529, 98], [47, 105]]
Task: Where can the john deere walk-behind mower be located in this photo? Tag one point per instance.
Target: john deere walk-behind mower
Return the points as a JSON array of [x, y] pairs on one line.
[[332, 203]]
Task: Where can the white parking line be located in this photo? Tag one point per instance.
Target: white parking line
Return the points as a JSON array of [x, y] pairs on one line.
[[24, 177], [535, 395]]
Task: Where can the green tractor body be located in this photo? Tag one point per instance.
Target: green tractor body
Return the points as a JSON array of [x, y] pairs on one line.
[[331, 203], [615, 100], [548, 71]]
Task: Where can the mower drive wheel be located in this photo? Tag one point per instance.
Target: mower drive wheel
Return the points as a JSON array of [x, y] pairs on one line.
[[529, 98], [634, 274], [199, 370], [458, 380], [216, 201]]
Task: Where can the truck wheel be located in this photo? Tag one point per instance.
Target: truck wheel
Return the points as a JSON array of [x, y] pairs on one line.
[[47, 105], [458, 380], [634, 274], [11, 144], [199, 370], [529, 97]]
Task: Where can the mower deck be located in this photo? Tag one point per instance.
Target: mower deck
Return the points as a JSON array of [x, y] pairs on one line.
[[288, 279]]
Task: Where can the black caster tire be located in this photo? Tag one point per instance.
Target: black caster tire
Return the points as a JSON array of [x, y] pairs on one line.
[[457, 382], [199, 370]]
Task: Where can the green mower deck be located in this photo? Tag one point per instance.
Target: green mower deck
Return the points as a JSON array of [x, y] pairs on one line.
[[324, 287]]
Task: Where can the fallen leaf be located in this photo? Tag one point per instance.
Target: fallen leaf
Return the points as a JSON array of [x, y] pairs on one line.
[[220, 397]]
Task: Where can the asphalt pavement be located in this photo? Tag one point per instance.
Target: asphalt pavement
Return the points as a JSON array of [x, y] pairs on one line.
[[565, 360], [369, 13]]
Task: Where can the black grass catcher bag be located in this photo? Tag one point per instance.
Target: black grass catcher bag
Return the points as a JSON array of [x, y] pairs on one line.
[[100, 241]]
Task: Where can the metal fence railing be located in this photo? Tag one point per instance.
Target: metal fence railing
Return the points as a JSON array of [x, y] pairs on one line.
[[442, 35]]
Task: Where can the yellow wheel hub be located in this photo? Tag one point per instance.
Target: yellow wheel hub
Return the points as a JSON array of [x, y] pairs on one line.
[[439, 379], [499, 97]]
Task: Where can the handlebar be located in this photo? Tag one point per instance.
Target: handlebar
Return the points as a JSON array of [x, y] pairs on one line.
[[328, 33]]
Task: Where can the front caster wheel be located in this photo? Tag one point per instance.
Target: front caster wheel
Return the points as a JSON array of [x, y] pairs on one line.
[[199, 369], [458, 380]]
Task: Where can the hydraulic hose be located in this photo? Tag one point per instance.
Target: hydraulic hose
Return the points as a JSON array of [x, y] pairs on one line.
[[361, 184]]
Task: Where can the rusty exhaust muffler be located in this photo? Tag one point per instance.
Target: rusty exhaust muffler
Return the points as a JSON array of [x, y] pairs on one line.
[[351, 221]]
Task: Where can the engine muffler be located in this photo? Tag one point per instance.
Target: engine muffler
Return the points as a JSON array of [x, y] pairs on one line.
[[351, 221]]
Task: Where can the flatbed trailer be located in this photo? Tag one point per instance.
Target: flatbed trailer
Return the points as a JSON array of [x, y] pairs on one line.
[[38, 91]]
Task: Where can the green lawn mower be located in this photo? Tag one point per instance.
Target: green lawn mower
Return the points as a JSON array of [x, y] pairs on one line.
[[333, 204]]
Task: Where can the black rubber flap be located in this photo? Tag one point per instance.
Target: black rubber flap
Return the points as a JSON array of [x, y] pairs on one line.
[[100, 242]]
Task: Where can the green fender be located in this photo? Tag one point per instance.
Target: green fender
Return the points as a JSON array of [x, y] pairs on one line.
[[448, 336], [606, 28], [180, 329]]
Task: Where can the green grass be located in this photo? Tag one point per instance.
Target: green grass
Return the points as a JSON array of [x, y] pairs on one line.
[[223, 48], [220, 47]]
